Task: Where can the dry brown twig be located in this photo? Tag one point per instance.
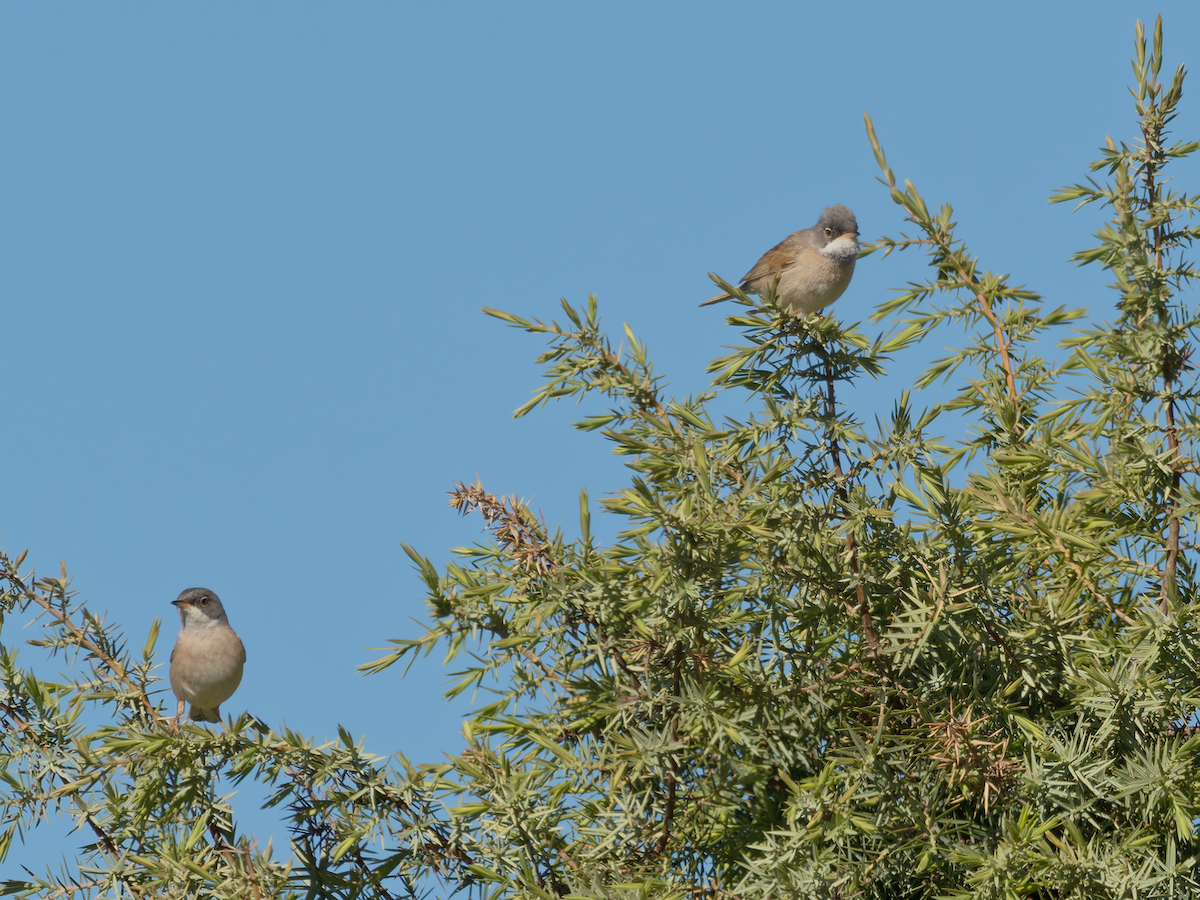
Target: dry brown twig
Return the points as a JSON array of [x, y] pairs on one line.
[[511, 523]]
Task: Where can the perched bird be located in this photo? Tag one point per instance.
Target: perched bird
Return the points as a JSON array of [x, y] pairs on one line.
[[206, 664], [812, 266]]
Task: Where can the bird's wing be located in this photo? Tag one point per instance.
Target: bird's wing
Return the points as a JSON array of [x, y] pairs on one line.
[[781, 256]]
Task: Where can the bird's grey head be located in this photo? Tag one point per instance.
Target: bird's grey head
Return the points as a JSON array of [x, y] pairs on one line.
[[836, 221], [836, 233], [200, 606]]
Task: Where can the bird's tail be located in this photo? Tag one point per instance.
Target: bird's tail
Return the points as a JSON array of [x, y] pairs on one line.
[[199, 714]]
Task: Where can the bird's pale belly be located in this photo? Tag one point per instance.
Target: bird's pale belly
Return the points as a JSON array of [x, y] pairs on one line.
[[816, 287], [214, 673], [209, 692]]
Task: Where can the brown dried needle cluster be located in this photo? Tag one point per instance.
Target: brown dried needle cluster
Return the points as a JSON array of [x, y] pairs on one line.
[[511, 523], [973, 756]]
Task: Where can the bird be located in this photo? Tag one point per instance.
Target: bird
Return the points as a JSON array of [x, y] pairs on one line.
[[809, 268], [206, 663]]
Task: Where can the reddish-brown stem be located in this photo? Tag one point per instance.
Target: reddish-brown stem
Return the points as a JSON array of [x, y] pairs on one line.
[[669, 811], [1002, 344], [1171, 564], [81, 639], [864, 606], [110, 846]]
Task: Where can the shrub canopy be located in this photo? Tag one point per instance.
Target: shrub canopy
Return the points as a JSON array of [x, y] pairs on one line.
[[823, 658]]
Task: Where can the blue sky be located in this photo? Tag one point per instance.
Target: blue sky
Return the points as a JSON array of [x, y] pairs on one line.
[[244, 248]]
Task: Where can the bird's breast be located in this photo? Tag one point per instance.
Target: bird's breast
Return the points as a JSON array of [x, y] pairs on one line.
[[814, 282], [206, 665]]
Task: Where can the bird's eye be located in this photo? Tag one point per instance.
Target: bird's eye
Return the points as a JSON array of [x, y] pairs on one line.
[[828, 232], [204, 601]]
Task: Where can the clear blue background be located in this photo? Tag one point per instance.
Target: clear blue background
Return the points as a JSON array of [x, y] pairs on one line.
[[244, 248]]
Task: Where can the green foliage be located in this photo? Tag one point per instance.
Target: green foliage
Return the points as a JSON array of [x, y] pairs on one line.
[[821, 659]]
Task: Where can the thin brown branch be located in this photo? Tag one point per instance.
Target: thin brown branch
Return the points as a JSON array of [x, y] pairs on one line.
[[546, 671], [1151, 139], [106, 841], [1078, 570], [82, 640], [1173, 529], [672, 770], [864, 606], [970, 282], [656, 410], [831, 679]]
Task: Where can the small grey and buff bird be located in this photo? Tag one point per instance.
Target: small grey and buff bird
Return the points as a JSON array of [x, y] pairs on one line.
[[206, 664], [813, 266]]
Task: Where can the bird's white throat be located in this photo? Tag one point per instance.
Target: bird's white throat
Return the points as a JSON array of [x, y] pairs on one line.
[[193, 618], [843, 249]]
